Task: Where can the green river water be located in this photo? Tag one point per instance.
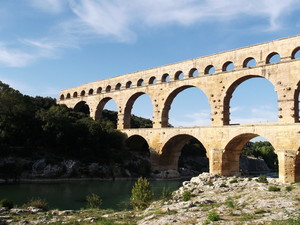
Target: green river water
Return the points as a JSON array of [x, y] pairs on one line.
[[71, 195]]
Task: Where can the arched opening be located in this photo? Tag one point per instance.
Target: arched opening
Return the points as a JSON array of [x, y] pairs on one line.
[[82, 107], [91, 91], [107, 112], [152, 80], [249, 154], [273, 57], [140, 83], [185, 154], [75, 94], [189, 108], [62, 97], [139, 155], [297, 103], [228, 66], [99, 90], [138, 111], [108, 89], [129, 84], [82, 93], [179, 75], [118, 86], [297, 167], [68, 96], [210, 70], [249, 62], [193, 73], [165, 78], [296, 53], [250, 99]]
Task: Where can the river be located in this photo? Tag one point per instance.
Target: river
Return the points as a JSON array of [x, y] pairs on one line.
[[71, 195]]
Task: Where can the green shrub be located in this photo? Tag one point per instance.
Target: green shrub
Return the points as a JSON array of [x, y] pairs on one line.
[[141, 194], [6, 203], [223, 185], [289, 188], [209, 183], [262, 179], [37, 203], [233, 181], [274, 188], [93, 201], [186, 196], [213, 216], [230, 203], [166, 194]]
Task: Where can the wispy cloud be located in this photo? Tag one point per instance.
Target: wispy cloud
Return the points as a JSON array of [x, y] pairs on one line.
[[201, 118], [255, 115], [50, 6], [75, 22]]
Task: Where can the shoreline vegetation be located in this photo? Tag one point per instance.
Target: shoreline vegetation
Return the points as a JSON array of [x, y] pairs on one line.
[[205, 199]]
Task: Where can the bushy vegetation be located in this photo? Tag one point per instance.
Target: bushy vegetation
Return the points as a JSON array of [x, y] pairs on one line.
[[6, 203], [263, 150], [186, 196], [37, 203], [141, 194], [36, 127], [93, 201], [274, 188], [213, 216], [166, 194], [262, 179]]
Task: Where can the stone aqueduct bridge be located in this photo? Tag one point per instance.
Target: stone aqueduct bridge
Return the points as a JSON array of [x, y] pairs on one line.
[[223, 141]]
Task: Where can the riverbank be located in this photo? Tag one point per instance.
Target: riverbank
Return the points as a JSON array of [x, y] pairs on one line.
[[213, 200]]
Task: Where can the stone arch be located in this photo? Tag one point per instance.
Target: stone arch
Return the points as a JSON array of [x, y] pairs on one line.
[[179, 75], [171, 151], [100, 107], [62, 97], [168, 103], [91, 91], [108, 89], [68, 96], [137, 143], [295, 53], [128, 108], [247, 62], [165, 78], [99, 90], [83, 107], [129, 84], [118, 86], [232, 153], [140, 83], [228, 66], [193, 72], [230, 91], [75, 95], [82, 93], [210, 69], [152, 80], [272, 56]]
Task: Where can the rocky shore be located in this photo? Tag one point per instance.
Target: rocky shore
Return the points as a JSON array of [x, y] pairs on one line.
[[205, 199]]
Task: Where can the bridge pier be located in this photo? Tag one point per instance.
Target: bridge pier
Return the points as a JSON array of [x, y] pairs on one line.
[[288, 163]]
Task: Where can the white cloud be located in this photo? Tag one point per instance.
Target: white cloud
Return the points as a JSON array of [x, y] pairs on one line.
[[256, 115], [50, 6], [14, 57]]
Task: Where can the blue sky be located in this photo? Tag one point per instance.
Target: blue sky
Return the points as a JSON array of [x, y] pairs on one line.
[[49, 45]]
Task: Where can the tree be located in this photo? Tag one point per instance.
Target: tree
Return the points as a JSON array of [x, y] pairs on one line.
[[141, 194]]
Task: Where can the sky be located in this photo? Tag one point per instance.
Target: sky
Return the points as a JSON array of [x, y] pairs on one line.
[[50, 45]]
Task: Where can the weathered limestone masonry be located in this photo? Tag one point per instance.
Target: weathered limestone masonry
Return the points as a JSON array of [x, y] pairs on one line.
[[222, 140]]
